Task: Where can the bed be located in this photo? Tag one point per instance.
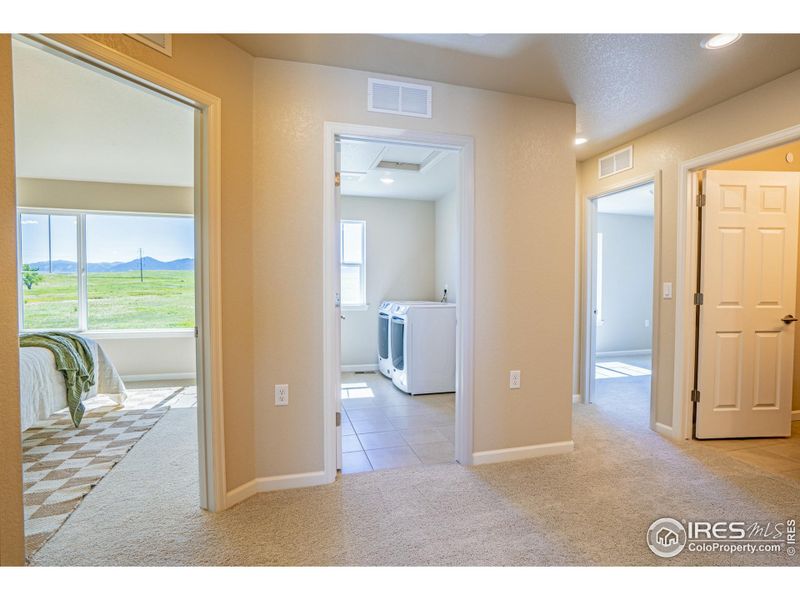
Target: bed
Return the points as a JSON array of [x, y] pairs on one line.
[[42, 387]]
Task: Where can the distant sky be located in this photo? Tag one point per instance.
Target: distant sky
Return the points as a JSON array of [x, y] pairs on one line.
[[109, 238]]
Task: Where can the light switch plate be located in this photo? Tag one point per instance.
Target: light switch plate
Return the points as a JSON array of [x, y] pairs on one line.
[[667, 290]]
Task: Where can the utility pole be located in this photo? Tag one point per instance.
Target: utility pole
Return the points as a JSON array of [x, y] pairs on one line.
[[141, 266]]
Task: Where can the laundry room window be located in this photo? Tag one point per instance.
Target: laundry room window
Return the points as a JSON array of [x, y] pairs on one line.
[[354, 265]]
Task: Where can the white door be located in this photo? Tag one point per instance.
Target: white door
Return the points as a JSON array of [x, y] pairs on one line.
[[749, 264]]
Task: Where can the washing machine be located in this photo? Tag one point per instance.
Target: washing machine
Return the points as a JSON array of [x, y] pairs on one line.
[[422, 347], [384, 333]]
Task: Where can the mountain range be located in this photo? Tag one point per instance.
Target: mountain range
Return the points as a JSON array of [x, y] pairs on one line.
[[148, 264]]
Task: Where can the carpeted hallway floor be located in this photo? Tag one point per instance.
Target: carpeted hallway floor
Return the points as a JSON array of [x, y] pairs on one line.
[[590, 507]]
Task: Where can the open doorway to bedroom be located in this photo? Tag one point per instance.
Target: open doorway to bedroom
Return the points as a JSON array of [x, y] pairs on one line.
[[106, 255], [620, 239]]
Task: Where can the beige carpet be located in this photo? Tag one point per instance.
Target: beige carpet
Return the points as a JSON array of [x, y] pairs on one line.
[[61, 463], [590, 507]]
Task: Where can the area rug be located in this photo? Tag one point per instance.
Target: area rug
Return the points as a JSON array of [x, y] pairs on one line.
[[62, 463]]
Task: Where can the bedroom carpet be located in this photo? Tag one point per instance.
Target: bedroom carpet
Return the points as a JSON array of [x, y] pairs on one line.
[[590, 507], [62, 463]]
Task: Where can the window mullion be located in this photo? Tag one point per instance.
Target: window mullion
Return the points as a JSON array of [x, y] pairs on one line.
[[83, 291]]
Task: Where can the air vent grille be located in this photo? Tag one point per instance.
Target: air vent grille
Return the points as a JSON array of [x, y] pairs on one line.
[[399, 97], [617, 162]]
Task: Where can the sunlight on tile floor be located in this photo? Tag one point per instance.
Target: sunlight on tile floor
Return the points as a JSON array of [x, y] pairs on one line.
[[384, 428]]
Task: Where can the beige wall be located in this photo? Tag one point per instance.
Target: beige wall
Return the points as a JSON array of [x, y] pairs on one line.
[[760, 111], [524, 178], [400, 265], [95, 195], [12, 547], [447, 246], [220, 68]]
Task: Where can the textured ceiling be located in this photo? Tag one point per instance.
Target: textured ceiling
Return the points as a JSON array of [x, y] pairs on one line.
[[622, 85]]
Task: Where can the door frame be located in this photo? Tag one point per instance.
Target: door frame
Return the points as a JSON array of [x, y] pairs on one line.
[[588, 300], [208, 242], [686, 275], [331, 337]]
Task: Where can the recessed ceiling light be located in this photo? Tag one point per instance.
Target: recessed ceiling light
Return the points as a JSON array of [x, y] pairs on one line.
[[580, 140], [721, 40], [387, 180]]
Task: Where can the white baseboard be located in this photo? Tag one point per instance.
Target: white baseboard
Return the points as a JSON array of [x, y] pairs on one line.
[[506, 454], [354, 368], [576, 398], [271, 484], [664, 430], [796, 415], [158, 376], [615, 353]]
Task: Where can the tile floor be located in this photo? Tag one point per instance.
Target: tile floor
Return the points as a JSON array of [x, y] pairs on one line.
[[779, 456], [384, 428]]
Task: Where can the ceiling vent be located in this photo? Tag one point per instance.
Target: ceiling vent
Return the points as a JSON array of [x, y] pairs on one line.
[[619, 161], [399, 98]]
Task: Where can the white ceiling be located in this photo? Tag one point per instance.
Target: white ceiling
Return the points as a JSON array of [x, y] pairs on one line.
[[622, 85], [362, 177], [636, 201], [72, 122]]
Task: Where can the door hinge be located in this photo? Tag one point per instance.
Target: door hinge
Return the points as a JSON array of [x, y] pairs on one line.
[[696, 396], [338, 419], [698, 299], [337, 179], [196, 332], [701, 200]]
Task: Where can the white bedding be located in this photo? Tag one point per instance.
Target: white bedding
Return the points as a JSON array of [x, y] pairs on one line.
[[42, 387]]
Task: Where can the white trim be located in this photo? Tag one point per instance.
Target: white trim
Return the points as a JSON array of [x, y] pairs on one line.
[[521, 452], [464, 306], [271, 484], [355, 307], [354, 368], [664, 430], [686, 251], [796, 415], [614, 353], [137, 334], [208, 266], [158, 376]]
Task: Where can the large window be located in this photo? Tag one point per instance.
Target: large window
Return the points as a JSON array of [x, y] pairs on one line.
[[102, 271], [354, 273]]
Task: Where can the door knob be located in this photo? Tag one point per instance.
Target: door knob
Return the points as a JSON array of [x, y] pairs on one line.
[[342, 317], [789, 319]]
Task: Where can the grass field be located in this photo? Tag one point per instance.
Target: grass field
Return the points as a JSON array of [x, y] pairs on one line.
[[165, 299]]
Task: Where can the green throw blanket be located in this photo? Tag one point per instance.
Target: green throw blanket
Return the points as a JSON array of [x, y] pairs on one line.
[[73, 358]]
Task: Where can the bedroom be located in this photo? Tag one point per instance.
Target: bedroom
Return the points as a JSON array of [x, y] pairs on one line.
[[106, 257]]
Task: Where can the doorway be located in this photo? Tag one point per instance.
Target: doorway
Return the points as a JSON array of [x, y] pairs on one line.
[[203, 202], [399, 294], [621, 303], [397, 416]]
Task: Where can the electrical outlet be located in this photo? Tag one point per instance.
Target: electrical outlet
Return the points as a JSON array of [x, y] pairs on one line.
[[513, 380], [282, 394]]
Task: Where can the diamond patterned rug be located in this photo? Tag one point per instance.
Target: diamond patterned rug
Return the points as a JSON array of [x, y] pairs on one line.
[[62, 463]]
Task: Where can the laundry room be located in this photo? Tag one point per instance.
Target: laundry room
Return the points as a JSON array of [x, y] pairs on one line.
[[399, 273]]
